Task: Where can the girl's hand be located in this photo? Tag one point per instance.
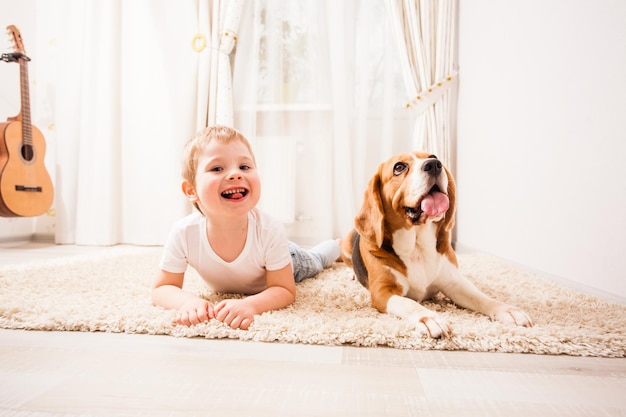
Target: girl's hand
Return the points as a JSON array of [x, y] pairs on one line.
[[238, 314], [194, 312]]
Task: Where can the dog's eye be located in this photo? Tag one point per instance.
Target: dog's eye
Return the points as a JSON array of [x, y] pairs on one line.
[[399, 168]]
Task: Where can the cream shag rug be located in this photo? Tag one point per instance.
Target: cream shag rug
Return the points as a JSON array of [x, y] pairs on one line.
[[109, 292]]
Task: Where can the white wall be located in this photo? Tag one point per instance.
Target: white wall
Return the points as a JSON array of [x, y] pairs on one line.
[[542, 137]]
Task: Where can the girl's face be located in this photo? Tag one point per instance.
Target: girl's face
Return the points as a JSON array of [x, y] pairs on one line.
[[227, 182]]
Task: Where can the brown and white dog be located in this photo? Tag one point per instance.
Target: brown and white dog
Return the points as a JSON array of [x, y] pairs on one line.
[[400, 248]]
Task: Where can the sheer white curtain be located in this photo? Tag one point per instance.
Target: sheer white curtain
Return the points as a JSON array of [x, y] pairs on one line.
[[317, 88], [118, 82], [425, 33], [283, 102], [220, 20]]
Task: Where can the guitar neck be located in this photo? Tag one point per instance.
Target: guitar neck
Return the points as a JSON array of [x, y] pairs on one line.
[[27, 133]]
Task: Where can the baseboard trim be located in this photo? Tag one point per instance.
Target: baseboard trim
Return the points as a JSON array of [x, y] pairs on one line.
[[16, 240], [26, 239], [577, 286], [43, 238]]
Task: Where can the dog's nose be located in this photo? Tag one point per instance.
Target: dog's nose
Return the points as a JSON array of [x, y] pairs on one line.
[[432, 167]]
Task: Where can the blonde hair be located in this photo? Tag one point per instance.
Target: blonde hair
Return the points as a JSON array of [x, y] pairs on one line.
[[194, 146]]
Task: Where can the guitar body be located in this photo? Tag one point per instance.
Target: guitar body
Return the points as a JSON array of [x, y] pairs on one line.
[[25, 185]]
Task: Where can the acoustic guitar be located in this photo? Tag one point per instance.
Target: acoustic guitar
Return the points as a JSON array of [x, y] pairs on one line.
[[25, 185]]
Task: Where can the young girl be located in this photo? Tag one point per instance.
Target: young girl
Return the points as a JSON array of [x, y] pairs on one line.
[[233, 246]]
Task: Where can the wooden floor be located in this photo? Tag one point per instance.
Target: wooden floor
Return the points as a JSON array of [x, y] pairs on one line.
[[50, 374]]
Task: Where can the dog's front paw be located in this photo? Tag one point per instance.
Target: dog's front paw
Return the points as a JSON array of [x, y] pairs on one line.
[[425, 320], [511, 315], [433, 325]]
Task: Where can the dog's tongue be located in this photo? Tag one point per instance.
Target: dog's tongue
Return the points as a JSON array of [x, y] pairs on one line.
[[435, 204]]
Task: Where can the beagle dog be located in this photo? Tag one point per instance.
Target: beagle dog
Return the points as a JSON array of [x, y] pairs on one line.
[[400, 247]]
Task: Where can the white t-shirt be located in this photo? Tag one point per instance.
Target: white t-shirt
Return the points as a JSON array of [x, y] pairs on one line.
[[266, 249]]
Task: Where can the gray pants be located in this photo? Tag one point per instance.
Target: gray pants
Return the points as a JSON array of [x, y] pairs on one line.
[[310, 262]]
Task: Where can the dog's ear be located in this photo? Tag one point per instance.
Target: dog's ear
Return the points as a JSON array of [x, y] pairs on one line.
[[370, 220], [444, 245], [448, 223]]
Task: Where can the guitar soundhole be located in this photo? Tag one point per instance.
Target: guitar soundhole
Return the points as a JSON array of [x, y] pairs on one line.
[[28, 153]]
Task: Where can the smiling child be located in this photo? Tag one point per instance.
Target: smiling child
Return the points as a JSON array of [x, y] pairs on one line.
[[234, 247]]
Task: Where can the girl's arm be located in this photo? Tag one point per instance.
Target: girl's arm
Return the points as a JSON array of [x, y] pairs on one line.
[[167, 292], [280, 292]]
